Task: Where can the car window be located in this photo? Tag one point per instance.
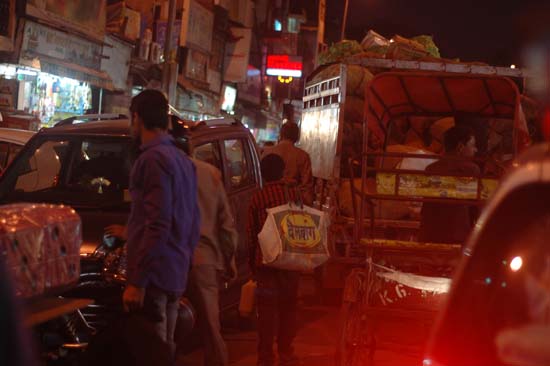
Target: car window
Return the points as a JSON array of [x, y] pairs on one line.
[[78, 171], [238, 164], [100, 167], [4, 150], [209, 153], [41, 169]]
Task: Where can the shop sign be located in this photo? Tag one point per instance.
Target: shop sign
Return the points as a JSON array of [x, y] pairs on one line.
[[251, 90], [85, 16], [237, 55], [284, 65], [198, 24], [161, 26], [7, 24], [39, 40]]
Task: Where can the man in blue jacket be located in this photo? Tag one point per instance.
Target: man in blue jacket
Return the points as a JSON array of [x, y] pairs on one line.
[[164, 222]]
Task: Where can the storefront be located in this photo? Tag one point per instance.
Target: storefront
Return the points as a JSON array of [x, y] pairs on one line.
[[49, 97], [57, 75]]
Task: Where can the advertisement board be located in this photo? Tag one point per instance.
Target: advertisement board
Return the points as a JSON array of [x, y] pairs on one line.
[[229, 94], [84, 16], [284, 65], [40, 40], [63, 54]]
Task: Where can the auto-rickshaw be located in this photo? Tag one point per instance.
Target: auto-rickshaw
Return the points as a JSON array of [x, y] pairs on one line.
[[404, 280]]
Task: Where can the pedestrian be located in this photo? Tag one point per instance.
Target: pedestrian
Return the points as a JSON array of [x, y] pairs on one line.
[[163, 226], [277, 291], [297, 161], [213, 260], [444, 222]]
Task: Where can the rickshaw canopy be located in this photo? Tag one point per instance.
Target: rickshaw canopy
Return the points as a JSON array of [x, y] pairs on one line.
[[392, 95]]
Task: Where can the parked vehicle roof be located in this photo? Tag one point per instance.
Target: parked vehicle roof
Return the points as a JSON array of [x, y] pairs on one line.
[[121, 126]]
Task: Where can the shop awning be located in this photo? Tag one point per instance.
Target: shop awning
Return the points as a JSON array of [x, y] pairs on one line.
[[60, 68]]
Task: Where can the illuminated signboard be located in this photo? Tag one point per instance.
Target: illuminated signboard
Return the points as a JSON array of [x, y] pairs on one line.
[[229, 98], [284, 65]]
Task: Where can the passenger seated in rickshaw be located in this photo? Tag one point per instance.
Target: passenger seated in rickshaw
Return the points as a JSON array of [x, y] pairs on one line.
[[447, 222]]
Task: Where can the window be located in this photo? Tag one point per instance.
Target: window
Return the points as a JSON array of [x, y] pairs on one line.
[[277, 25], [101, 167], [209, 153], [293, 25], [40, 171], [238, 166], [79, 172]]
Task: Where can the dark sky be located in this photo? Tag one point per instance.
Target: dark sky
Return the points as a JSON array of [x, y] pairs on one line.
[[491, 31]]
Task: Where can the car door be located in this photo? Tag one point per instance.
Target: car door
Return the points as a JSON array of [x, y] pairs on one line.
[[241, 183]]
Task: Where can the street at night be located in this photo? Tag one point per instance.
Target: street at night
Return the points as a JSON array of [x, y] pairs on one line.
[[274, 183]]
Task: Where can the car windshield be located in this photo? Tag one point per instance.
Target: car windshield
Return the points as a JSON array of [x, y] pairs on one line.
[[77, 171], [504, 286]]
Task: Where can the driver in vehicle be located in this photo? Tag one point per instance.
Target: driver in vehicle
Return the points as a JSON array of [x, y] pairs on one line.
[[444, 222]]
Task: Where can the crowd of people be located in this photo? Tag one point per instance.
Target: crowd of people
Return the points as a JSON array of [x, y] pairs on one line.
[[181, 236]]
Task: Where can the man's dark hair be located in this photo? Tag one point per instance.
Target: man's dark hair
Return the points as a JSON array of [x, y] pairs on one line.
[[290, 131], [455, 136], [152, 106], [272, 167]]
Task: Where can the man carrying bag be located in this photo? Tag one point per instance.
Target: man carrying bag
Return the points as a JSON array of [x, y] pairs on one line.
[[277, 291]]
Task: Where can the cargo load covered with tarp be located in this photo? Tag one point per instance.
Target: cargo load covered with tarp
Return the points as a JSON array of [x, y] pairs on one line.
[[41, 247]]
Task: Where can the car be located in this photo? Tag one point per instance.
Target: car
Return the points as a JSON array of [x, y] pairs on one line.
[[11, 142], [498, 310], [85, 162]]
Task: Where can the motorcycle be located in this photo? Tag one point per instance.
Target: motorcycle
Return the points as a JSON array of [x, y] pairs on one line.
[[103, 279]]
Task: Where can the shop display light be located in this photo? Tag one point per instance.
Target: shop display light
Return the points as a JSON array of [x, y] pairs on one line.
[[23, 71], [8, 71]]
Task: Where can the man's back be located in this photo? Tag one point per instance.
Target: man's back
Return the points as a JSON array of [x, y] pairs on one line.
[[218, 234], [447, 222], [297, 166], [163, 223]]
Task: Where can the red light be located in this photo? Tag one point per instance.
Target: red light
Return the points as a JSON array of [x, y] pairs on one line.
[[284, 65]]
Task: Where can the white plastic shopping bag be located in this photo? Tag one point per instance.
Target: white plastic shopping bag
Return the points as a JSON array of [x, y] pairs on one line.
[[294, 238]]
